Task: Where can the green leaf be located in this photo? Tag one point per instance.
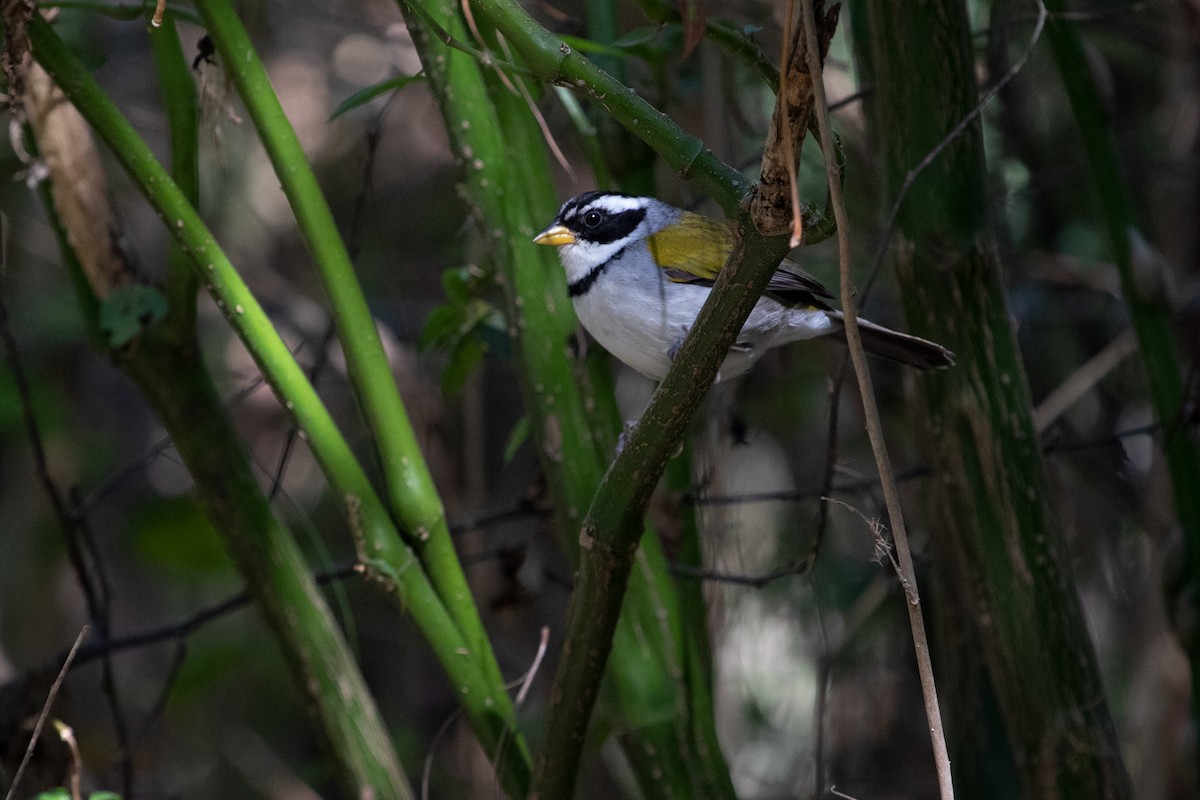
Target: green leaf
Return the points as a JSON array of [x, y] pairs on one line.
[[104, 796], [582, 45], [54, 794], [173, 535], [440, 327], [463, 361], [129, 310], [369, 93], [518, 437], [459, 285], [493, 330], [639, 36]]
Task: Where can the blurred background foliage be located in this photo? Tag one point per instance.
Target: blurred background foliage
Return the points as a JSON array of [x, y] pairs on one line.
[[210, 712]]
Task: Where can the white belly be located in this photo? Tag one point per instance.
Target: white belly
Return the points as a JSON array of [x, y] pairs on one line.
[[642, 323]]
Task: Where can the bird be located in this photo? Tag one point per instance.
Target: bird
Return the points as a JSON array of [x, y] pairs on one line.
[[638, 270]]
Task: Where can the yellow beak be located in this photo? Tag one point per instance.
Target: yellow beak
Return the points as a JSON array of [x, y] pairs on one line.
[[555, 235]]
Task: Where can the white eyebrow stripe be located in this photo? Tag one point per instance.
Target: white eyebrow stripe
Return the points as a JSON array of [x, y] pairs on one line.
[[614, 204]]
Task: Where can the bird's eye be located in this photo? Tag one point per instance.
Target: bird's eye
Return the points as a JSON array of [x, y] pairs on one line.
[[592, 218]]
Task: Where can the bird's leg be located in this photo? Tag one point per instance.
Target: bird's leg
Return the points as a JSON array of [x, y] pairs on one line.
[[630, 424], [673, 350]]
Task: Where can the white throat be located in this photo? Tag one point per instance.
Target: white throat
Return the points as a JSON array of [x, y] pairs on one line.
[[581, 258]]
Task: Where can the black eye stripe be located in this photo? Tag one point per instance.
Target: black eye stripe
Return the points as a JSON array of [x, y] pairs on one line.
[[580, 214], [611, 227]]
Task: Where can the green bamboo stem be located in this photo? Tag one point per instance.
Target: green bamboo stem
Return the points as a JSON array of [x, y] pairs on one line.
[[647, 676], [165, 362], [609, 536], [1000, 555], [177, 384], [386, 556], [693, 612], [537, 305], [1144, 289], [499, 146], [410, 488]]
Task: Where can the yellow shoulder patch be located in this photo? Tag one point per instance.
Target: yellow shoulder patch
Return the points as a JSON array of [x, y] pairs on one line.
[[695, 245]]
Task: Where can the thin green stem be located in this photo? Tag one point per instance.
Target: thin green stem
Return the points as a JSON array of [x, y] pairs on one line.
[[174, 379], [410, 487], [124, 11], [179, 99], [498, 146], [387, 557]]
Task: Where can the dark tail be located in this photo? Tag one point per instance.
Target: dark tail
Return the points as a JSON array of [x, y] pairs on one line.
[[902, 347]]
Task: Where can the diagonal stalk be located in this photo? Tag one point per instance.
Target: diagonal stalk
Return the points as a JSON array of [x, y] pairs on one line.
[[409, 485], [387, 557]]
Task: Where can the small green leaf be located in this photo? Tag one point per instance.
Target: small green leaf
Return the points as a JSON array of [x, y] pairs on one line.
[[173, 535], [458, 284], [582, 45], [369, 93], [518, 437], [493, 330], [129, 310], [463, 361], [54, 794], [639, 36], [104, 796], [440, 327]]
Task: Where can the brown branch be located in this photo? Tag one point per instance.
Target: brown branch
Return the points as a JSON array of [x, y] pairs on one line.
[[771, 208], [78, 185], [45, 713], [809, 23]]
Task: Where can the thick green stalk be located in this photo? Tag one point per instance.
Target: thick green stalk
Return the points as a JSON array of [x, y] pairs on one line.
[[166, 363], [998, 548], [499, 147], [541, 322], [410, 488], [174, 379], [610, 534], [487, 706], [1144, 288], [647, 677], [693, 612]]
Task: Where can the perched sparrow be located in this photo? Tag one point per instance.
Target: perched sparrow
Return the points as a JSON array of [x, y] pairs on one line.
[[638, 271]]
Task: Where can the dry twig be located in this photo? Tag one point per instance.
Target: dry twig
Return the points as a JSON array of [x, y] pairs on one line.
[[808, 23]]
